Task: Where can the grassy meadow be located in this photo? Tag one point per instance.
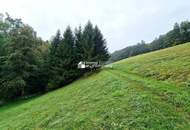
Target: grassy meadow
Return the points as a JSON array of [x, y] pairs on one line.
[[146, 92]]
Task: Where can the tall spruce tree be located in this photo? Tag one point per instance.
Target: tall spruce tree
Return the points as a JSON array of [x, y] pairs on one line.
[[66, 49], [88, 42], [100, 48], [93, 44], [68, 56], [53, 58], [66, 66], [79, 45], [54, 61], [56, 42]]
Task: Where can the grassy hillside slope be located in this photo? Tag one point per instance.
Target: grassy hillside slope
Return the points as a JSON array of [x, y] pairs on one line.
[[145, 92], [172, 64]]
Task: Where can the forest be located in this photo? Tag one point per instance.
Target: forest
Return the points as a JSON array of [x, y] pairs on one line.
[[30, 65], [178, 35]]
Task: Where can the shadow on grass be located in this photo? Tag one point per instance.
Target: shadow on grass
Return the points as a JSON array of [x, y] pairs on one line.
[[19, 101], [26, 99]]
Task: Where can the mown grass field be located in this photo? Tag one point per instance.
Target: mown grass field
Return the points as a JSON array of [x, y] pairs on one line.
[[146, 92]]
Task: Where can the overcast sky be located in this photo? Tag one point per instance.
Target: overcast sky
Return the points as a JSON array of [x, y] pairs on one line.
[[123, 22]]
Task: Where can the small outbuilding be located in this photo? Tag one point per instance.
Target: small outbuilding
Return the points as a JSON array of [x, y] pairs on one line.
[[88, 65], [81, 65]]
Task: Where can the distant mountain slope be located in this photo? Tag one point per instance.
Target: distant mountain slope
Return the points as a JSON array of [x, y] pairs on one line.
[[149, 91], [180, 34]]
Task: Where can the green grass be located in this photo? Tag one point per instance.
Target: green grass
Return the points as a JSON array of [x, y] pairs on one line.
[[146, 92], [171, 64]]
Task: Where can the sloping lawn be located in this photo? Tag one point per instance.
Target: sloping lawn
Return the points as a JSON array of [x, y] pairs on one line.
[[146, 92]]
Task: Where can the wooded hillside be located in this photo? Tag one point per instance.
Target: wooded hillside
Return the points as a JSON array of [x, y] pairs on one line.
[[178, 35], [29, 65]]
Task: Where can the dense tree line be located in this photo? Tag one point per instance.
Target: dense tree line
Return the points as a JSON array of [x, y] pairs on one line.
[[178, 35], [29, 65]]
